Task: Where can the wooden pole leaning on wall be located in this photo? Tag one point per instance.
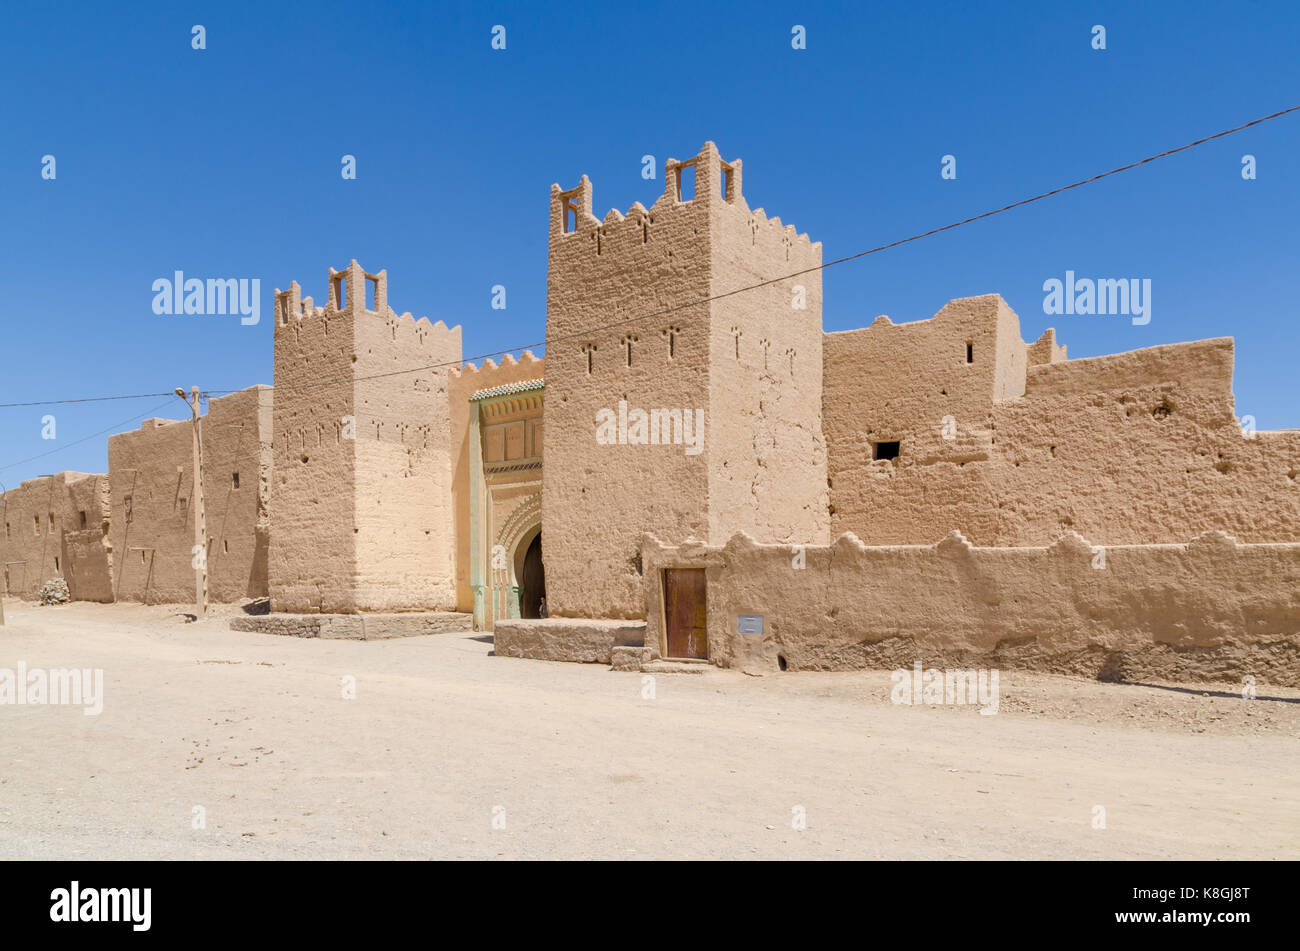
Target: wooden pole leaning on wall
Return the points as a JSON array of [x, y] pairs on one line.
[[200, 549]]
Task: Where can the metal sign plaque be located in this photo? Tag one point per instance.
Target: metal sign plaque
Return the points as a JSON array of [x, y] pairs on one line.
[[749, 624]]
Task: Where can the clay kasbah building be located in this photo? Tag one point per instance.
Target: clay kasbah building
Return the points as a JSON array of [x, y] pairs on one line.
[[725, 483]]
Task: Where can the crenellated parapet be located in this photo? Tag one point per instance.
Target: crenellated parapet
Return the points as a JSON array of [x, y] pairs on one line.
[[355, 292], [717, 190]]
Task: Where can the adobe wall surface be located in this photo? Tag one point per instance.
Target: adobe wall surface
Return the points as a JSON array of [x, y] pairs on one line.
[[768, 467], [151, 477], [1142, 447], [313, 552], [462, 384], [58, 526], [1134, 448], [87, 563], [598, 498], [405, 543], [363, 491], [1210, 609]]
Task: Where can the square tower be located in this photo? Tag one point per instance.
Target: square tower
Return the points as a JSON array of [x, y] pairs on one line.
[[361, 506], [744, 361]]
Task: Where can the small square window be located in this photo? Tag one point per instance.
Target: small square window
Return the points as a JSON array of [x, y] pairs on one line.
[[885, 450]]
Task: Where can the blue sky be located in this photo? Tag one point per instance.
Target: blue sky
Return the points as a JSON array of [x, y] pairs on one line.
[[226, 163]]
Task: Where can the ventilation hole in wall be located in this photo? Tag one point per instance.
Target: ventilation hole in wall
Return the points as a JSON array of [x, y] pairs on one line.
[[781, 662], [1052, 450], [831, 508], [234, 476], [82, 516], [970, 352], [1112, 669], [1164, 410], [225, 546], [304, 459], [943, 392], [1223, 466], [56, 564], [1293, 473], [885, 450]]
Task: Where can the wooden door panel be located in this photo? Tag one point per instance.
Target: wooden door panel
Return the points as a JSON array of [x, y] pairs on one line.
[[686, 612]]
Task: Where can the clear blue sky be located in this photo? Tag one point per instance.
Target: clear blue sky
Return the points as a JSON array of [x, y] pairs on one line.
[[225, 163]]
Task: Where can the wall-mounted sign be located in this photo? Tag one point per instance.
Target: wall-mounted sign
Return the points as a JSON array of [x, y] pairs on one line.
[[749, 624]]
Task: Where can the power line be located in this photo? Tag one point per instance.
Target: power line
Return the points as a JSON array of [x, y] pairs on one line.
[[716, 297], [88, 399], [820, 267], [102, 432]]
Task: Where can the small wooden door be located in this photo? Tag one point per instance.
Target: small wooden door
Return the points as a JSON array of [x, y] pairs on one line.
[[686, 612]]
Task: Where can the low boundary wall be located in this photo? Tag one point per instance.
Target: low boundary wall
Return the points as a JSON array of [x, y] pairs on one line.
[[1211, 609]]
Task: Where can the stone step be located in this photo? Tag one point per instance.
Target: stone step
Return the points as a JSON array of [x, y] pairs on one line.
[[676, 667], [361, 627]]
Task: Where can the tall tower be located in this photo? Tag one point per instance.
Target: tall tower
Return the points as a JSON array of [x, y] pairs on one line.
[[361, 504], [750, 363]]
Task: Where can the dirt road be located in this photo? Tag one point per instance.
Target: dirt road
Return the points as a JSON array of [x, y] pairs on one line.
[[448, 752]]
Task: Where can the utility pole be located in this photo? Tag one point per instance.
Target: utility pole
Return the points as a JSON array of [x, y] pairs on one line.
[[200, 550]]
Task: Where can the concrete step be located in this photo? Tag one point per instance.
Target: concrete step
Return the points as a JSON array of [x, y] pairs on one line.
[[676, 667]]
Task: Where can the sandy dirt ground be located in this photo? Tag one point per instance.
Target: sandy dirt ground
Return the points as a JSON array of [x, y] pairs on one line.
[[575, 762]]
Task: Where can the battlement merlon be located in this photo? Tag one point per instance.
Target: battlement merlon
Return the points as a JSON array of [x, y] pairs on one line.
[[347, 294], [712, 176], [716, 181], [349, 287]]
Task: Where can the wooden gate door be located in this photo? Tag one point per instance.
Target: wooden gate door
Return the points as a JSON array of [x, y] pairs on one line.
[[686, 612]]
